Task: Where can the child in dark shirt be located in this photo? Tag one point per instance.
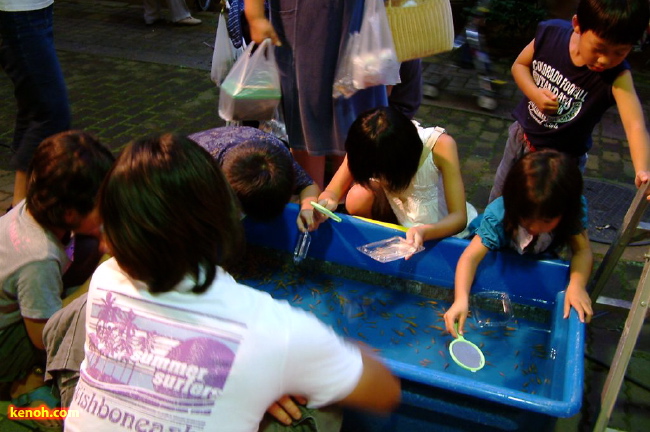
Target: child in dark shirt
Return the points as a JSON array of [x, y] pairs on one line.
[[570, 74], [262, 172]]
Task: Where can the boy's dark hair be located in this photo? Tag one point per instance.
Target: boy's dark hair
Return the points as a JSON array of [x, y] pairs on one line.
[[617, 21], [262, 177], [66, 173], [544, 185], [169, 212], [383, 144]]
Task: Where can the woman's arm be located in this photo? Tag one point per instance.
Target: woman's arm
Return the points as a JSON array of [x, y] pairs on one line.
[[580, 269], [445, 156], [377, 390], [465, 273], [260, 26]]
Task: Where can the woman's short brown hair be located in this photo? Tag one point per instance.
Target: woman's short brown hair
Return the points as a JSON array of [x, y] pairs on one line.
[[169, 212]]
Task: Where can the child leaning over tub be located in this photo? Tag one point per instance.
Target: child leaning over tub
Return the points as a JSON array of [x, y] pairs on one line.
[[542, 209], [397, 171], [570, 74], [172, 340], [261, 171]]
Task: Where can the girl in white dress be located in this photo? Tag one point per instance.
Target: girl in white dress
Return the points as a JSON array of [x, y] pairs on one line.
[[396, 171]]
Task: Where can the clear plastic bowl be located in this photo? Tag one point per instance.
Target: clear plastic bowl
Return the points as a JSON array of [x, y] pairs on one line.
[[491, 308], [390, 249]]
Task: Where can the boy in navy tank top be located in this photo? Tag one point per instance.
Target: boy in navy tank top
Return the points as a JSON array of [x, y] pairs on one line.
[[570, 74]]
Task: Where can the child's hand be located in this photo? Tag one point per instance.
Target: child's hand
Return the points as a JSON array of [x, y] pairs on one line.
[[546, 101], [286, 410], [327, 200], [457, 312], [415, 237], [307, 220], [641, 178], [578, 298]]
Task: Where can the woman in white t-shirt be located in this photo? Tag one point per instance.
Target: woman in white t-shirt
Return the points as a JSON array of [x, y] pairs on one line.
[[173, 342]]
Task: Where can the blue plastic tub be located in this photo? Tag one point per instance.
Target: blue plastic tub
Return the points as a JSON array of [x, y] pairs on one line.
[[535, 365]]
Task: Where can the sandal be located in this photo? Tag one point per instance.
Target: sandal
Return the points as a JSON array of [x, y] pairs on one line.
[[41, 394]]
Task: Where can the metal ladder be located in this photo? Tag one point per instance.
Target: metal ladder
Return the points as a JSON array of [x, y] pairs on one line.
[[638, 309]]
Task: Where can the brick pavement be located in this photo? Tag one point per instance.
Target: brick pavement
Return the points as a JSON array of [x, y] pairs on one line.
[[126, 79]]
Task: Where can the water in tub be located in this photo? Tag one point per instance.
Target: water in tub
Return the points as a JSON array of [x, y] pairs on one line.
[[408, 327]]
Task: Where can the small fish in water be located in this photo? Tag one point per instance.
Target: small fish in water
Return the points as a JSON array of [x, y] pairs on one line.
[[502, 374], [442, 354], [446, 366], [400, 333], [362, 336], [413, 323], [358, 315], [411, 329]]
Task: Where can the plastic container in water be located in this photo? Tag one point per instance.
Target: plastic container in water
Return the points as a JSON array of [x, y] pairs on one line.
[[302, 247], [491, 308]]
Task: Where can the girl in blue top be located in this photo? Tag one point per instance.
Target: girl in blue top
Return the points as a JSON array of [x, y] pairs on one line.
[[542, 209]]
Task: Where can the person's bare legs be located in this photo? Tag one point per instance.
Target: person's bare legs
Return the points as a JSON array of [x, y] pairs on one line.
[[313, 165], [20, 187], [335, 162]]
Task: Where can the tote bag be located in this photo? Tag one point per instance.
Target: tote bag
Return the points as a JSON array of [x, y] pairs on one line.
[[420, 28]]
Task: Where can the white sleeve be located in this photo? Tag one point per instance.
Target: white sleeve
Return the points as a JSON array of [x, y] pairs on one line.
[[321, 365]]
